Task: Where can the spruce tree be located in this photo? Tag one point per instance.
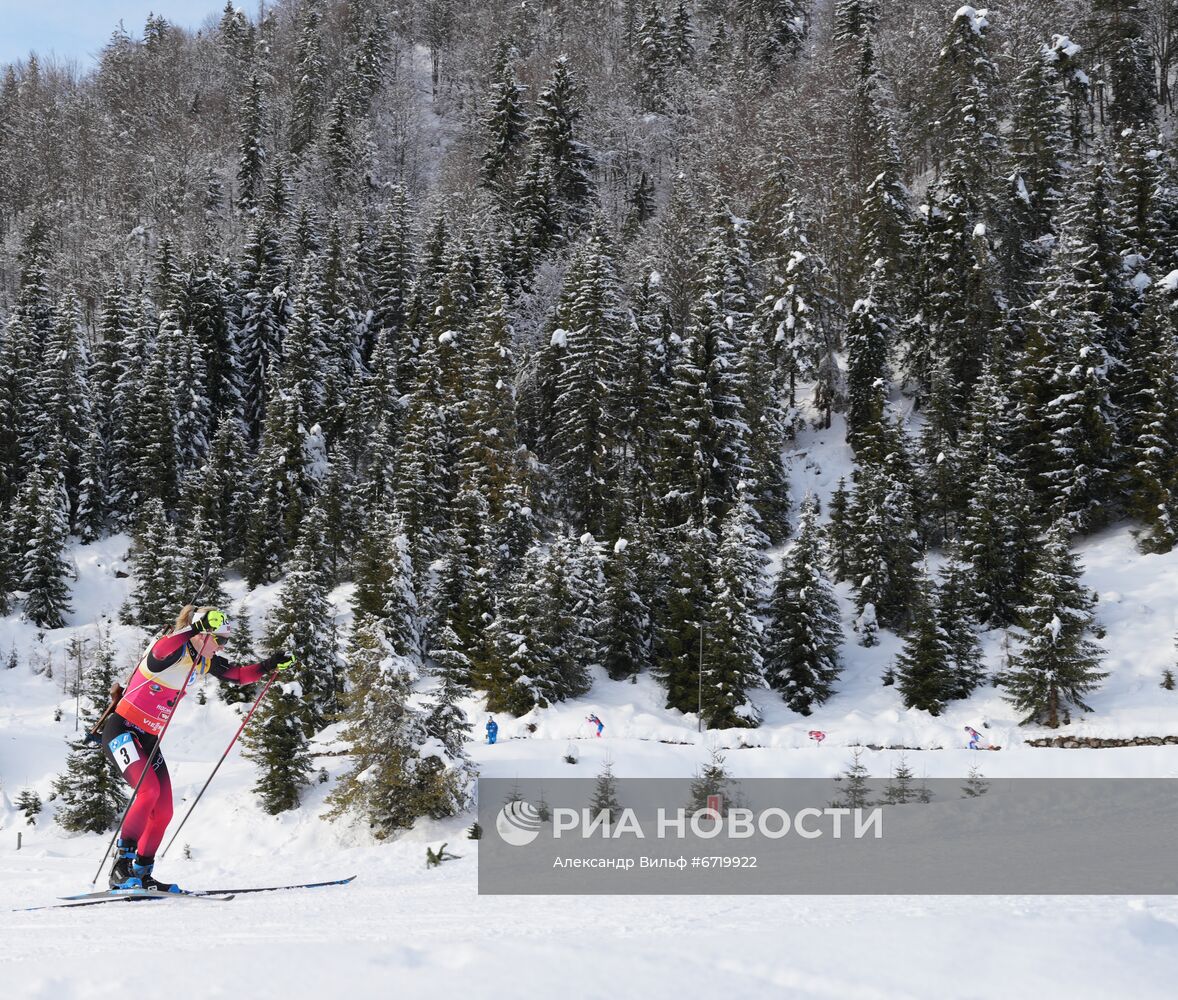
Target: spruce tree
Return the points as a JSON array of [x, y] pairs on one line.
[[640, 205], [869, 335], [924, 667], [28, 332], [605, 794], [772, 31], [643, 407], [28, 802], [589, 331], [997, 534], [284, 484], [1152, 431], [883, 541], [125, 430], [462, 604], [424, 485], [1057, 664], [156, 463], [720, 327], [386, 785], [804, 630], [239, 648], [262, 319], [222, 493], [682, 34], [395, 269], [556, 137], [654, 57], [64, 419], [545, 629], [488, 441], [712, 778], [625, 616], [1077, 338], [42, 512], [955, 616], [975, 784], [8, 566], [91, 793], [853, 787], [303, 623], [513, 674], [899, 791], [684, 596], [682, 465], [1048, 91], [446, 721], [277, 743], [576, 587], [310, 82], [155, 561], [732, 659], [504, 125], [251, 157], [798, 317], [838, 533], [960, 302], [771, 423], [1119, 29]]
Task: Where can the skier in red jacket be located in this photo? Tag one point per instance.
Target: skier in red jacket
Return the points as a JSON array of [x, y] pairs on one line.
[[132, 730]]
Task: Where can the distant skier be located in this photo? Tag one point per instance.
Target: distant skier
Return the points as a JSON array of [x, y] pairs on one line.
[[133, 728], [977, 741], [492, 731], [597, 722]]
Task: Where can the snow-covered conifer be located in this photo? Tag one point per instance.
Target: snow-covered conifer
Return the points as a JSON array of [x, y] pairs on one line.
[[804, 632], [1056, 664]]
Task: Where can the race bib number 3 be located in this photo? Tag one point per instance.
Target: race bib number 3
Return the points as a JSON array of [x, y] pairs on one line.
[[125, 751]]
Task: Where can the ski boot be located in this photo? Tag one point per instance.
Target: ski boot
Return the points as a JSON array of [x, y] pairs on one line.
[[122, 875], [142, 867]]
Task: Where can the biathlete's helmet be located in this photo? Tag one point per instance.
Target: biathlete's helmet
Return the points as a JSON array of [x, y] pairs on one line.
[[208, 628]]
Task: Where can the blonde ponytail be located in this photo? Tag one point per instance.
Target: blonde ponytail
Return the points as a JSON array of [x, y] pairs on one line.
[[184, 618]]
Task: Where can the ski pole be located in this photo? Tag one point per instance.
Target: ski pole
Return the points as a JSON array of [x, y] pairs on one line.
[[240, 729], [146, 767]]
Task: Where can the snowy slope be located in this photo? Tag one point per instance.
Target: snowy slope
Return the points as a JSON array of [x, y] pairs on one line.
[[402, 928]]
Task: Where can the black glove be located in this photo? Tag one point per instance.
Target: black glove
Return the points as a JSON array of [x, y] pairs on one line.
[[278, 661]]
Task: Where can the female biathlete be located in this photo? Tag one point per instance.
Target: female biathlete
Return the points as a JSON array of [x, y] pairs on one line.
[[134, 726]]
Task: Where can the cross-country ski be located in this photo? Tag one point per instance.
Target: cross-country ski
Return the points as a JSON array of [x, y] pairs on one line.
[[208, 892], [122, 895]]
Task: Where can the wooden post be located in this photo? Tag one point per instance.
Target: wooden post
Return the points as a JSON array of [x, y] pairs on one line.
[[18, 840]]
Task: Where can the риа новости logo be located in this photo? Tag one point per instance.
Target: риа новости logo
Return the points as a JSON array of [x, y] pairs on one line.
[[518, 823]]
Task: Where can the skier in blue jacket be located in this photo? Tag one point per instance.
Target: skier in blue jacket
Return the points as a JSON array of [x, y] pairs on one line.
[[492, 731]]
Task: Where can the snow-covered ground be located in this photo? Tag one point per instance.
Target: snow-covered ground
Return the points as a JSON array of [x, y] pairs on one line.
[[403, 930]]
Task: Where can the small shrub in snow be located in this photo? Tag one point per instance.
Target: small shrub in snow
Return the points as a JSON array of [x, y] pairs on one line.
[[975, 784], [29, 802]]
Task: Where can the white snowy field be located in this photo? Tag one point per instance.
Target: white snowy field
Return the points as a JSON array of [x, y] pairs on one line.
[[403, 930]]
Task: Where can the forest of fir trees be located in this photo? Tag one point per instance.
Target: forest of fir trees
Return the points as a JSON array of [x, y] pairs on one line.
[[508, 314]]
